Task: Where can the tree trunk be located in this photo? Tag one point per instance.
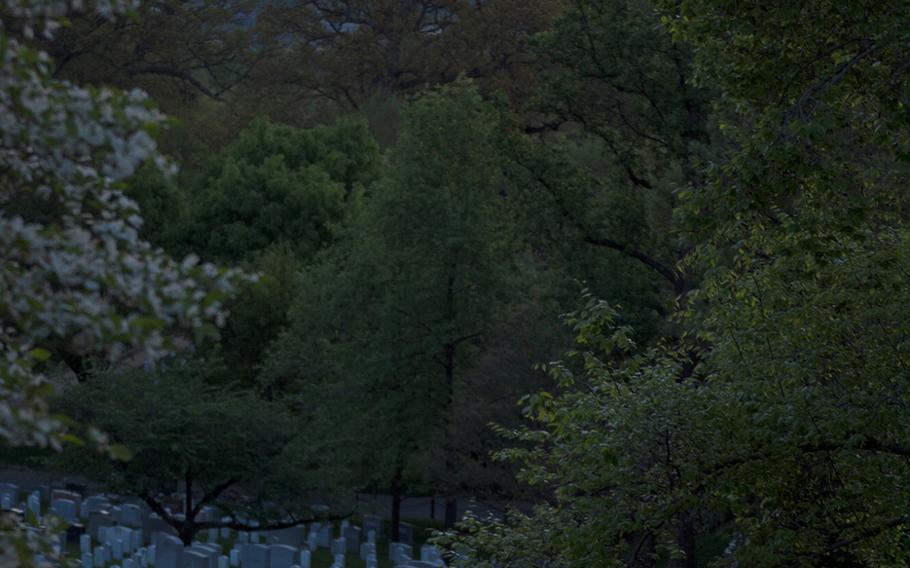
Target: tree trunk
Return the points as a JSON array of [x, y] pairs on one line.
[[396, 506], [685, 540], [451, 511], [188, 527]]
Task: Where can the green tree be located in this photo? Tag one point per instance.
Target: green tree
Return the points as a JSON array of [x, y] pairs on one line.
[[248, 458], [280, 185], [789, 432], [429, 271]]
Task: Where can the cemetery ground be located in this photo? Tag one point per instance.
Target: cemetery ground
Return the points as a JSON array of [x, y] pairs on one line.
[[321, 558]]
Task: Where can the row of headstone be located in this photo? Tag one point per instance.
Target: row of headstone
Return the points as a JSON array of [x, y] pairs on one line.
[[102, 555]]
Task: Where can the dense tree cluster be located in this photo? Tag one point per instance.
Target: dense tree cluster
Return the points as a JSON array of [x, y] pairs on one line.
[[671, 231]]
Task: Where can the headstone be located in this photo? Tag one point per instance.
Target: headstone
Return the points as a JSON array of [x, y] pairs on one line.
[[64, 494], [429, 553], [324, 536], [211, 552], [99, 557], [207, 514], [155, 524], [129, 563], [282, 556], [168, 551], [117, 548], [305, 559], [96, 521], [224, 562], [66, 509], [367, 549], [338, 546], [371, 537], [351, 536], [85, 543], [10, 492], [406, 533], [225, 532], [34, 504], [87, 560], [194, 559], [254, 556], [235, 557], [292, 536], [372, 523], [136, 540], [339, 560], [399, 553], [131, 516], [243, 537], [312, 540], [96, 503]]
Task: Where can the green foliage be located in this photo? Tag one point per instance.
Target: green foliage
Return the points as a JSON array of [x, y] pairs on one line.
[[385, 327], [280, 185], [175, 425]]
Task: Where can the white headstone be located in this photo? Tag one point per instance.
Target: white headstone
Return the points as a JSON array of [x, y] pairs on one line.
[[224, 562], [168, 550], [305, 560], [99, 558], [87, 560], [429, 553], [194, 559], [351, 536], [11, 491], [34, 504], [235, 558], [367, 549], [338, 546], [324, 536], [66, 509], [131, 515], [254, 556], [85, 543], [282, 556], [399, 553]]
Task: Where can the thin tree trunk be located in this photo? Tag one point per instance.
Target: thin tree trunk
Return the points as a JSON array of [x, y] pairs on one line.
[[396, 506], [685, 540]]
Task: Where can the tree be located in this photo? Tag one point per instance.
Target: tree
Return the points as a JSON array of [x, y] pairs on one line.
[[428, 270], [786, 432], [174, 50], [75, 276], [272, 199], [277, 184], [344, 52], [227, 449]]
